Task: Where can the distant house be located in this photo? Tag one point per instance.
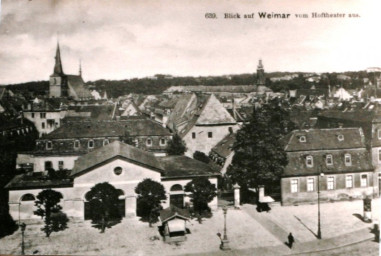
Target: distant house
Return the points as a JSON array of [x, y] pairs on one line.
[[342, 94], [334, 161], [119, 164], [222, 154], [201, 121]]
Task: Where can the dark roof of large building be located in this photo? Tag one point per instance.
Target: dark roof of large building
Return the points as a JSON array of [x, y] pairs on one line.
[[182, 166], [112, 150], [23, 181], [326, 139], [93, 129], [362, 115], [78, 85], [97, 112], [225, 147], [297, 162]]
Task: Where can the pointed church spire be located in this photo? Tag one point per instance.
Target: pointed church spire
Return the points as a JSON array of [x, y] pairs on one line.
[[58, 65], [80, 68]]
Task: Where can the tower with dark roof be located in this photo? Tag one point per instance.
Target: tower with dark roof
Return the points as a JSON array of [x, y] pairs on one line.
[[261, 79], [57, 81]]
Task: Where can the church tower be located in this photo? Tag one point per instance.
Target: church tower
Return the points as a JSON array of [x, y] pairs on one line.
[[57, 81], [261, 79]]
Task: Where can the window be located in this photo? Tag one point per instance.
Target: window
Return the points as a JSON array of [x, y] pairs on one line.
[[310, 184], [28, 197], [118, 170], [149, 142], [309, 161], [193, 135], [76, 144], [230, 129], [329, 160], [49, 145], [330, 183], [42, 115], [340, 137], [60, 165], [43, 125], [163, 142], [379, 134], [349, 181], [90, 144], [294, 185], [48, 165], [348, 159], [364, 180], [105, 142], [210, 135], [302, 139], [32, 115], [379, 155]]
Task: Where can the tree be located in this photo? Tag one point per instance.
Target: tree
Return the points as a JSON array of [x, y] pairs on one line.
[[150, 193], [103, 199], [48, 208], [176, 146], [202, 192], [200, 156], [259, 157], [127, 138]]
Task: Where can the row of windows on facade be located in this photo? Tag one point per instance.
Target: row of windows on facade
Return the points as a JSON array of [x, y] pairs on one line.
[[18, 131], [42, 115], [330, 183], [210, 134], [329, 160], [90, 143]]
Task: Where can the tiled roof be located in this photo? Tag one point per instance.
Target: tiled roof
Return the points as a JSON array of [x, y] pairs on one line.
[[112, 150], [78, 85], [182, 166], [25, 182], [224, 147], [323, 139], [356, 116], [98, 112], [93, 129], [219, 88], [297, 162]]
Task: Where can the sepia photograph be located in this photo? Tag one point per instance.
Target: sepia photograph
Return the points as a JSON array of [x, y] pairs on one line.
[[249, 127]]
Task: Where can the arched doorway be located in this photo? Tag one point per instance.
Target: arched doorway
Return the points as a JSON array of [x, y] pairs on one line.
[[121, 206], [176, 196]]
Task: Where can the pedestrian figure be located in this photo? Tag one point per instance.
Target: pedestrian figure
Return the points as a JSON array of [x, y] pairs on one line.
[[291, 240]]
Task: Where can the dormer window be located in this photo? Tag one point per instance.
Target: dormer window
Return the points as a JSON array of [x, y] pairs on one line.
[[348, 159], [329, 160], [379, 134], [90, 144], [76, 144], [49, 145], [149, 142], [105, 142], [309, 161], [302, 139], [340, 137], [163, 142]]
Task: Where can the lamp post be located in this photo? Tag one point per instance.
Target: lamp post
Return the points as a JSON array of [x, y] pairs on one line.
[[225, 241], [22, 226], [319, 228]]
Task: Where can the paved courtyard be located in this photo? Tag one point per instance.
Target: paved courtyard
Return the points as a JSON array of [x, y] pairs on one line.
[[246, 229]]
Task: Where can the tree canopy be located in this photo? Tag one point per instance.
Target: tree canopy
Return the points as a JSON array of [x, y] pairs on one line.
[[259, 157], [103, 200], [176, 146], [150, 193], [48, 208], [202, 192]]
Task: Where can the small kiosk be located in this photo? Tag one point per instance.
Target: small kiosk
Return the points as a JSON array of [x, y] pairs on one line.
[[173, 222]]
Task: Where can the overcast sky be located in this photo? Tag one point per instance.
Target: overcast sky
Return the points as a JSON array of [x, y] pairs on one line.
[[125, 39]]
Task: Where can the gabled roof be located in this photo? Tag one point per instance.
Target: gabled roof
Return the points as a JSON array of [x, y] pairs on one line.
[[225, 147], [174, 212], [78, 85], [182, 166], [326, 139], [114, 150]]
